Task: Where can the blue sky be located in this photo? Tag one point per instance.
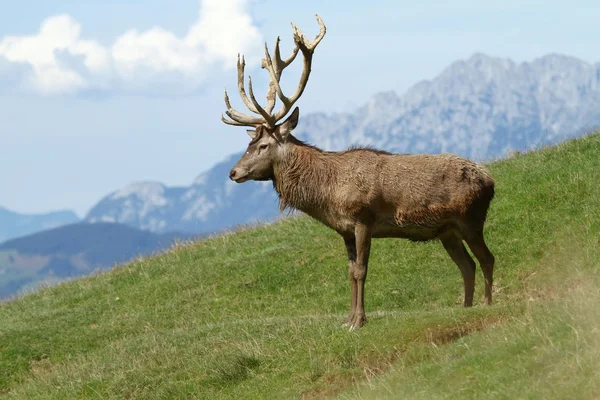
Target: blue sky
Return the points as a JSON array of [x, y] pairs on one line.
[[95, 95]]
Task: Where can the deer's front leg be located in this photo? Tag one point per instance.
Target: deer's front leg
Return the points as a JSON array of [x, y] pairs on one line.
[[350, 243], [359, 272]]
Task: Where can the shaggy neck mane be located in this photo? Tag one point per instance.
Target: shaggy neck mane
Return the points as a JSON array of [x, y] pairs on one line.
[[303, 177]]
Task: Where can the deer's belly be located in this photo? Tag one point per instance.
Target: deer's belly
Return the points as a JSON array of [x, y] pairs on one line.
[[340, 223], [390, 228], [386, 227], [417, 234]]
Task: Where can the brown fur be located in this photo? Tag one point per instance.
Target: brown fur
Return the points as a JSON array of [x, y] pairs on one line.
[[364, 193], [416, 197]]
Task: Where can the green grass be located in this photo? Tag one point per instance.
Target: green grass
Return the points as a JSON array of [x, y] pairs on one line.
[[257, 313]]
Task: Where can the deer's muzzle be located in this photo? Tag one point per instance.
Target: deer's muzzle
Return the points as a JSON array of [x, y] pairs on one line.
[[238, 175]]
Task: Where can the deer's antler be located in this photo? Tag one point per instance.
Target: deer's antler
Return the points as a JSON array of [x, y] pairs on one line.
[[275, 68]]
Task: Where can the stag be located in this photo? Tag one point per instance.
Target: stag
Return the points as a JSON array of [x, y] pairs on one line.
[[363, 193]]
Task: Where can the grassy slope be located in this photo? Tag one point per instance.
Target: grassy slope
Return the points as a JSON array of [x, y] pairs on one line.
[[256, 314]]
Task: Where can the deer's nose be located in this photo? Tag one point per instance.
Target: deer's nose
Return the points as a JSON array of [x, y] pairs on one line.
[[232, 174]]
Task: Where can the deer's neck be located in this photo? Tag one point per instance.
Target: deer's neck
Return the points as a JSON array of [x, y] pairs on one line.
[[303, 177]]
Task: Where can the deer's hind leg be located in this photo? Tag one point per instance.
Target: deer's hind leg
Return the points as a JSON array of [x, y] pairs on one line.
[[453, 244], [486, 261], [350, 243]]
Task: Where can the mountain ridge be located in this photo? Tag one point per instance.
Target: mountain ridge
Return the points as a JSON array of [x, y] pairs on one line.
[[482, 108], [74, 250], [14, 224]]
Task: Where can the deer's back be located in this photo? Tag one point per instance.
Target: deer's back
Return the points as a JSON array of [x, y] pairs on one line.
[[412, 196]]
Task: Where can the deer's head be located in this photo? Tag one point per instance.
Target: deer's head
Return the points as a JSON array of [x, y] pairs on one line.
[[266, 145], [268, 136]]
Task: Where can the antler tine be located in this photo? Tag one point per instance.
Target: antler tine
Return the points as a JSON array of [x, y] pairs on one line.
[[268, 118], [231, 122], [240, 70], [291, 58], [303, 41], [275, 74], [237, 117], [322, 31], [281, 64], [266, 62]]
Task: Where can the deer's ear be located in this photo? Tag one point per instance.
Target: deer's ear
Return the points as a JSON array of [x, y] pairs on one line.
[[252, 133], [289, 124]]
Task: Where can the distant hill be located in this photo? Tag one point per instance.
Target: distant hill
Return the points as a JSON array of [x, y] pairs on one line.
[[13, 224], [482, 108], [73, 250]]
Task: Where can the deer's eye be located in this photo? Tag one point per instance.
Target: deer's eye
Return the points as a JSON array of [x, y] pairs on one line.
[[263, 147]]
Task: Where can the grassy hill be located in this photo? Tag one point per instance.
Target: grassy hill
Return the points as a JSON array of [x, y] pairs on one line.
[[257, 314]]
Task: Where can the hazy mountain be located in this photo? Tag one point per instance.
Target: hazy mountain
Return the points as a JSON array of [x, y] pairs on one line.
[[13, 224], [481, 108], [73, 250]]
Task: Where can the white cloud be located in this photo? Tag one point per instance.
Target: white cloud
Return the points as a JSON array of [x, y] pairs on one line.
[[61, 61], [58, 35]]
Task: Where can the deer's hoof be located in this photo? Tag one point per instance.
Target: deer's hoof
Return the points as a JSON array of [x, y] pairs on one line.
[[348, 322], [357, 321]]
